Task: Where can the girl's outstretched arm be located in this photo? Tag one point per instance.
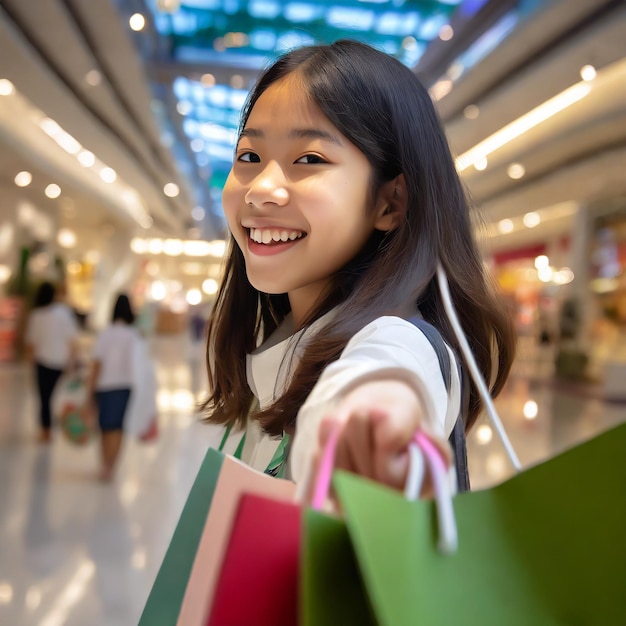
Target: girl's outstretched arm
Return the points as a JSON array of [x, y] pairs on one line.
[[386, 384], [376, 423]]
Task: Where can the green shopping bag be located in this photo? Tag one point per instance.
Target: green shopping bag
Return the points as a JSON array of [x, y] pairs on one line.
[[168, 591], [331, 589], [547, 547]]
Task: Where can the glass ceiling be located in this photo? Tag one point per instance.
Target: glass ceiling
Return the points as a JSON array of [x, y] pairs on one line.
[[243, 36]]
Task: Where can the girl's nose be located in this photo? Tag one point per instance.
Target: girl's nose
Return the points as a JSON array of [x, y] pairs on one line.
[[268, 188]]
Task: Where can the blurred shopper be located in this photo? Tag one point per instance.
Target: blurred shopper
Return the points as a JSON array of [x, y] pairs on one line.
[[111, 380], [51, 338]]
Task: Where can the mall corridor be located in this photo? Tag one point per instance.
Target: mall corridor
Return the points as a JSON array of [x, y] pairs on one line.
[[76, 552]]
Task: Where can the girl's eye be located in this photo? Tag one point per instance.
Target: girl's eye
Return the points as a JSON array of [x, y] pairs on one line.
[[249, 157], [311, 159]]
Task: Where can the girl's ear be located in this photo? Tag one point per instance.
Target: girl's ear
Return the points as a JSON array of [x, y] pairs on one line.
[[391, 204]]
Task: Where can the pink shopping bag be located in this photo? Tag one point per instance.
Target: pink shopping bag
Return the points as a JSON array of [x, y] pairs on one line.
[[235, 479]]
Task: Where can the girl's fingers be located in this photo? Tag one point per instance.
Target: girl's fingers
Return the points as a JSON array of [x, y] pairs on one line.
[[358, 443]]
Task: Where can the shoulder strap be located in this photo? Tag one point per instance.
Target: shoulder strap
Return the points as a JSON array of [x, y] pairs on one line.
[[457, 437]]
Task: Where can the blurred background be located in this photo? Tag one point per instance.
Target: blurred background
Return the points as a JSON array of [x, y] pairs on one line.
[[117, 125]]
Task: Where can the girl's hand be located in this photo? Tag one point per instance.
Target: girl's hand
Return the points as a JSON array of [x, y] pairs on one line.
[[377, 421]]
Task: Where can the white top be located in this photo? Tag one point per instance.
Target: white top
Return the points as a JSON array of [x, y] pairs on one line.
[[50, 332], [388, 347], [115, 350]]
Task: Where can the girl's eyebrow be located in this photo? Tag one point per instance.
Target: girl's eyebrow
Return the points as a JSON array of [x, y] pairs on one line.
[[296, 133]]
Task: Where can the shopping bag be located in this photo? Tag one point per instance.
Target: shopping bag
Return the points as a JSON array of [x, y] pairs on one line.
[[547, 547], [166, 597], [258, 581], [331, 588], [141, 419], [235, 479], [67, 402]]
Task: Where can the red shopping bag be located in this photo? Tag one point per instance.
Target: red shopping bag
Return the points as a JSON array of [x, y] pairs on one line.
[[259, 579], [235, 479]]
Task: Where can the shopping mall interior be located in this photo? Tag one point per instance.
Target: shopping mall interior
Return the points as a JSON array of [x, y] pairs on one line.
[[117, 125]]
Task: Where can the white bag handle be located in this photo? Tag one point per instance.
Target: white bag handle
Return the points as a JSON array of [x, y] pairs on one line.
[[473, 368]]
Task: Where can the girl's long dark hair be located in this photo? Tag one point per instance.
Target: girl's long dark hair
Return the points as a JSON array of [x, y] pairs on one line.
[[382, 108]]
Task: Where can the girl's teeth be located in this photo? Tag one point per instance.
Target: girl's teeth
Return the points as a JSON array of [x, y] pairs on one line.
[[267, 236]]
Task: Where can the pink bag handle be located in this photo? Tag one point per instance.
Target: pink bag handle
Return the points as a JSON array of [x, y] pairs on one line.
[[448, 538], [325, 472]]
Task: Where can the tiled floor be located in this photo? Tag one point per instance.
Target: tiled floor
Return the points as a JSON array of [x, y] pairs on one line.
[[74, 552]]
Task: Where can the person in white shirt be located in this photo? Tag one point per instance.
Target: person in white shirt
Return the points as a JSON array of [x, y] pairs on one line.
[[50, 339], [111, 381], [342, 201]]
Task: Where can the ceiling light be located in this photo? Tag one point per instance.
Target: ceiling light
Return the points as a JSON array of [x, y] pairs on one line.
[[173, 247], [531, 219], [66, 238], [481, 164], [6, 87], [484, 434], [155, 246], [171, 190], [158, 290], [440, 89], [198, 213], [184, 107], [137, 21], [217, 248], [168, 6], [545, 274], [564, 276], [209, 286], [193, 297], [530, 410], [541, 261], [197, 144], [523, 124], [236, 81], [446, 32], [108, 175], [93, 78], [588, 72], [506, 226], [52, 191], [516, 171], [207, 80], [471, 112], [138, 245], [86, 158], [23, 179]]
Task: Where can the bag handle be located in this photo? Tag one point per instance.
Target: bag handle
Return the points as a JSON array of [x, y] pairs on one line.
[[442, 280], [446, 522], [422, 451]]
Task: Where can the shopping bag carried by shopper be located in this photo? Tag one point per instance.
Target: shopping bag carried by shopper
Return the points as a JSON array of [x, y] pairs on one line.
[[141, 419], [546, 547], [235, 479], [166, 597], [67, 402]]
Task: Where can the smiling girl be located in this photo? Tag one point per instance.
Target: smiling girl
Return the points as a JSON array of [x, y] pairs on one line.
[[342, 199]]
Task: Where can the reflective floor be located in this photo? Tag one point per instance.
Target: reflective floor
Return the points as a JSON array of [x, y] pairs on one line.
[[75, 552]]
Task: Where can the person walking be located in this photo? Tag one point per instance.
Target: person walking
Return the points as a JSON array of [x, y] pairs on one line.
[[51, 345], [111, 380]]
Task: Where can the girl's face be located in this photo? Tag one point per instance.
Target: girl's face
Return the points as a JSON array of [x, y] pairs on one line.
[[296, 197]]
